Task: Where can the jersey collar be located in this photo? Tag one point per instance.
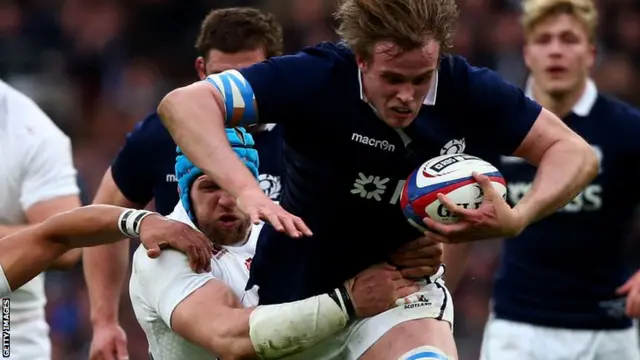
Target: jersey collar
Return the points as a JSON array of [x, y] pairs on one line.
[[429, 100], [585, 103]]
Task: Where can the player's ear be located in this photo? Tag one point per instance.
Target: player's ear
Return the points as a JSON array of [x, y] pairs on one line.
[[526, 51], [201, 68], [593, 50], [361, 62]]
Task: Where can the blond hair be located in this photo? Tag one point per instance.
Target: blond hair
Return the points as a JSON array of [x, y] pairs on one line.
[[405, 23], [535, 11]]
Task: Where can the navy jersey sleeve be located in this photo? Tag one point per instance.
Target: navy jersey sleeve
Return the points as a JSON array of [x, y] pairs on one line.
[[629, 133], [278, 89], [504, 113], [131, 168]]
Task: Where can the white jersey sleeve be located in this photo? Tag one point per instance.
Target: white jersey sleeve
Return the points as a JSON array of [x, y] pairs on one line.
[[162, 283], [45, 165], [49, 170]]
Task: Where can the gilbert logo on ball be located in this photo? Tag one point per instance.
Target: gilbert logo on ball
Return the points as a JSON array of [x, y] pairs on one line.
[[449, 175]]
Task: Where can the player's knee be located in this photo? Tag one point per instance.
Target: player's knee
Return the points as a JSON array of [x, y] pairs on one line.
[[426, 352]]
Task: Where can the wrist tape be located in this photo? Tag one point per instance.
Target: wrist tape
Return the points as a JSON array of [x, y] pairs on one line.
[[130, 220]]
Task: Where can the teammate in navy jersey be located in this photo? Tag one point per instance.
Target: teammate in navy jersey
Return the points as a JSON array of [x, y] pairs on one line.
[[555, 291], [358, 117], [144, 168]]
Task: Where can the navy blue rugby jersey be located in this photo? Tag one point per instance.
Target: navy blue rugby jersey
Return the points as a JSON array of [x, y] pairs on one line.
[[563, 270], [145, 166], [345, 167]]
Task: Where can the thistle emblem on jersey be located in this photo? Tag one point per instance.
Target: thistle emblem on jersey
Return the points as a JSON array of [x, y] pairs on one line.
[[369, 186], [270, 185], [455, 146]]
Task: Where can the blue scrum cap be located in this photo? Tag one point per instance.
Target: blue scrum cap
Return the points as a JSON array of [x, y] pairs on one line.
[[186, 172]]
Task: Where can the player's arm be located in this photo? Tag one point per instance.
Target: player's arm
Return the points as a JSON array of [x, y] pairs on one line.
[[520, 127], [49, 186], [566, 164], [194, 115], [275, 331], [25, 254], [205, 311], [268, 92], [213, 318], [126, 183]]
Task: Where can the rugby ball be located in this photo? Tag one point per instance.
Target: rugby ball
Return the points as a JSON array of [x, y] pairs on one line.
[[451, 176]]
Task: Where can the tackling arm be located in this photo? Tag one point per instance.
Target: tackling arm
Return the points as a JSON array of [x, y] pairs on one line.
[[551, 145], [41, 211], [205, 311], [25, 254], [213, 318]]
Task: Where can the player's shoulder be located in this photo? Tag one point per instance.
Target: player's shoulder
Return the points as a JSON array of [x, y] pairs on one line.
[[337, 53], [616, 109], [457, 78], [322, 62], [25, 118], [456, 71], [170, 261], [149, 136], [150, 128]]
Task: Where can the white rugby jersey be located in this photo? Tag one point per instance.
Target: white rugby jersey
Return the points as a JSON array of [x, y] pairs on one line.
[[36, 165], [158, 285]]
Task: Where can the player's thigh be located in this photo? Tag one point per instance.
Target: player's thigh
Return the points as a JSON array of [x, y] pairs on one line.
[[507, 340], [414, 334], [618, 344]]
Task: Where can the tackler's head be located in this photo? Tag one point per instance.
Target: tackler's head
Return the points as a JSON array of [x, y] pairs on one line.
[[212, 209]]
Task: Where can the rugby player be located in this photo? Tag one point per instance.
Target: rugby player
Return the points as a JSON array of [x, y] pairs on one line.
[[37, 180], [358, 117], [144, 168], [192, 316], [547, 304]]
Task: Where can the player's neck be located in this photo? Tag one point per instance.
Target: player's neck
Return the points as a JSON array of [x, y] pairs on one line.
[[559, 104]]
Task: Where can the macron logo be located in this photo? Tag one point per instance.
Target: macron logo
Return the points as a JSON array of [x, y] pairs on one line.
[[383, 145]]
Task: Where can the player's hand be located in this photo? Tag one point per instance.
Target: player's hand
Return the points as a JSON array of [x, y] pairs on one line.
[[158, 233], [259, 207], [377, 288], [494, 218], [631, 289], [109, 342], [419, 258]]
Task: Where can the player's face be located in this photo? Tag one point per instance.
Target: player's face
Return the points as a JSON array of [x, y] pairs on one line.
[[218, 61], [397, 84], [559, 54], [217, 214]]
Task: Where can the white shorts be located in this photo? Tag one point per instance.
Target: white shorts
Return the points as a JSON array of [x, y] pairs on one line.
[[353, 341], [508, 340]]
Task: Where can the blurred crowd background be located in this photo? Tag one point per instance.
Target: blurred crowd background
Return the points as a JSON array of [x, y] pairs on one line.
[[98, 66]]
